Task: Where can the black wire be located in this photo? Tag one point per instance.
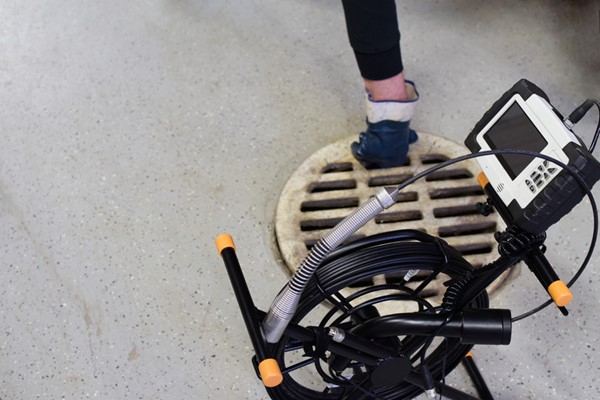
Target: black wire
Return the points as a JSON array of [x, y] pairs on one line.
[[444, 368], [360, 388], [343, 304], [597, 134], [580, 112], [433, 335]]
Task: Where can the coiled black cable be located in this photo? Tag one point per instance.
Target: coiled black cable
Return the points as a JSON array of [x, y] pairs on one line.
[[382, 254], [387, 253]]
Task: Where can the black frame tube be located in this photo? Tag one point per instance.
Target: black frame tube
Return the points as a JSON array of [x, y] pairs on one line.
[[245, 302], [477, 378]]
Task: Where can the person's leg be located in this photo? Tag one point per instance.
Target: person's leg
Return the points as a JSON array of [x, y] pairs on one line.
[[393, 88], [374, 36]]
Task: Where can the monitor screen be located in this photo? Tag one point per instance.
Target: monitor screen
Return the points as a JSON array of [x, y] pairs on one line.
[[515, 131]]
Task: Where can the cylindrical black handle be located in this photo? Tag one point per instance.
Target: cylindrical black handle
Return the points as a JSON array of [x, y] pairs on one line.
[[244, 299], [543, 271], [472, 326]]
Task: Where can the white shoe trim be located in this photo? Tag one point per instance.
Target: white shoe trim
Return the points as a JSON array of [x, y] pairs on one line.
[[400, 110]]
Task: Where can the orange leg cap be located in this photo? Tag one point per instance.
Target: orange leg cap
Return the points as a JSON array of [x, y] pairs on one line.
[[224, 241], [560, 293], [270, 373]]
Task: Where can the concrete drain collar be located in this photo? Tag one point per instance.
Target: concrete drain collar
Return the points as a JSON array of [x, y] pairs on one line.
[[331, 183]]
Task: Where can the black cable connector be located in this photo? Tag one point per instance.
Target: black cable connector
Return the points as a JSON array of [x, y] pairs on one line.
[[428, 382], [579, 113]]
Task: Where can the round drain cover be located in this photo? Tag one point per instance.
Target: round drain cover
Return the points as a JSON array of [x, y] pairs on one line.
[[330, 184]]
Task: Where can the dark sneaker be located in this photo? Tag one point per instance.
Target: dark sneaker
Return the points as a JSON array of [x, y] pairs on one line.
[[384, 144]]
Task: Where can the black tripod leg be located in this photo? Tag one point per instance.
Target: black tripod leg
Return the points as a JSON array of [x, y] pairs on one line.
[[269, 370], [477, 378]]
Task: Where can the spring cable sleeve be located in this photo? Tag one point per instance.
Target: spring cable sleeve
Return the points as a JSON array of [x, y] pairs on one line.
[[336, 236], [285, 304], [309, 265], [453, 293]]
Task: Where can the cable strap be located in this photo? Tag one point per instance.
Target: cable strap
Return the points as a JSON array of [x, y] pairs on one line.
[[514, 242]]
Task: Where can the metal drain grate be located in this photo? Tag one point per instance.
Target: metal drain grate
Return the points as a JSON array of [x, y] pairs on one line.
[[330, 184]]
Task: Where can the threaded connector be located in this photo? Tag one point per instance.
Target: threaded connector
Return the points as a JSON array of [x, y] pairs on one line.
[[337, 335], [280, 314], [428, 382]]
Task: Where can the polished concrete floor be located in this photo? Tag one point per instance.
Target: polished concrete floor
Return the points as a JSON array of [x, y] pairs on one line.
[[135, 132]]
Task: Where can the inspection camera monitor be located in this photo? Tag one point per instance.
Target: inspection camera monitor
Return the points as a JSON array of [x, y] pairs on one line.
[[530, 192]]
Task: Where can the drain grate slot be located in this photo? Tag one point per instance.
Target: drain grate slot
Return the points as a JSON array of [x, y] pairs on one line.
[[329, 204], [317, 224], [467, 229], [404, 197], [428, 293], [455, 211], [406, 164], [462, 191], [399, 216], [475, 248], [449, 174], [337, 167], [328, 186], [433, 158], [389, 180]]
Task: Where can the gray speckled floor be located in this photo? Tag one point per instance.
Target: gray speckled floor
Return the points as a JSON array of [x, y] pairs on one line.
[[135, 132]]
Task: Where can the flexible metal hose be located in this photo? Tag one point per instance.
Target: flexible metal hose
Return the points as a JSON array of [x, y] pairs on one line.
[[285, 304]]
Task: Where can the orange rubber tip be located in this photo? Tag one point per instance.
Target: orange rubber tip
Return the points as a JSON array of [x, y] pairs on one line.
[[224, 241], [560, 293], [270, 373], [469, 354], [482, 179]]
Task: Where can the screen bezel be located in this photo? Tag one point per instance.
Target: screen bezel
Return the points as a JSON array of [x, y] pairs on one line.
[[541, 114], [515, 164]]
